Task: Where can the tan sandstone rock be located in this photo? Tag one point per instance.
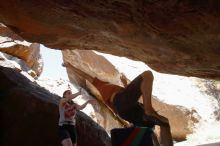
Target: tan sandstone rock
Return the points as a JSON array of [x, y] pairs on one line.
[[182, 120], [14, 45], [92, 63]]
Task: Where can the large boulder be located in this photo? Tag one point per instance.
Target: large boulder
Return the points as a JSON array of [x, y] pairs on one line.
[[93, 64], [182, 120], [172, 36]]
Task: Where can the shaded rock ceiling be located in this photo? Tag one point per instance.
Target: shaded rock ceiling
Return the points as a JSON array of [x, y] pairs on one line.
[[174, 36]]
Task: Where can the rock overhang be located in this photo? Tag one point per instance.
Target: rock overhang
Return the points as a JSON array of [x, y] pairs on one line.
[[176, 37]]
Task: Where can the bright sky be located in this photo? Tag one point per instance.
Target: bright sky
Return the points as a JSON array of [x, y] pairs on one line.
[[52, 64]]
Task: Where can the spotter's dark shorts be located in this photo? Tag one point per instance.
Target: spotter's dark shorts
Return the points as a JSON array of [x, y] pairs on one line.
[[67, 131]]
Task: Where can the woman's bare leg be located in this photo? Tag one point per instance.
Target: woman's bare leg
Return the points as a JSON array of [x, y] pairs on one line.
[[146, 89]]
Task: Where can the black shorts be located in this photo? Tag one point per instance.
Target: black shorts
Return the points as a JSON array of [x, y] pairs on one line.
[[67, 131], [127, 106]]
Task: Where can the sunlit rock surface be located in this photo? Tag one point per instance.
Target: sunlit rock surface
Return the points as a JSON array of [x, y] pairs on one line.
[[17, 64], [182, 119], [14, 45], [90, 63], [30, 114], [179, 37]]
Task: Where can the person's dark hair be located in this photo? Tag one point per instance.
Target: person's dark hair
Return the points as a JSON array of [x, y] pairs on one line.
[[64, 93]]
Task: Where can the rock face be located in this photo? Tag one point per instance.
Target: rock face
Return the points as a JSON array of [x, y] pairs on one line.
[[93, 64], [14, 45], [178, 37], [30, 115], [181, 119]]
